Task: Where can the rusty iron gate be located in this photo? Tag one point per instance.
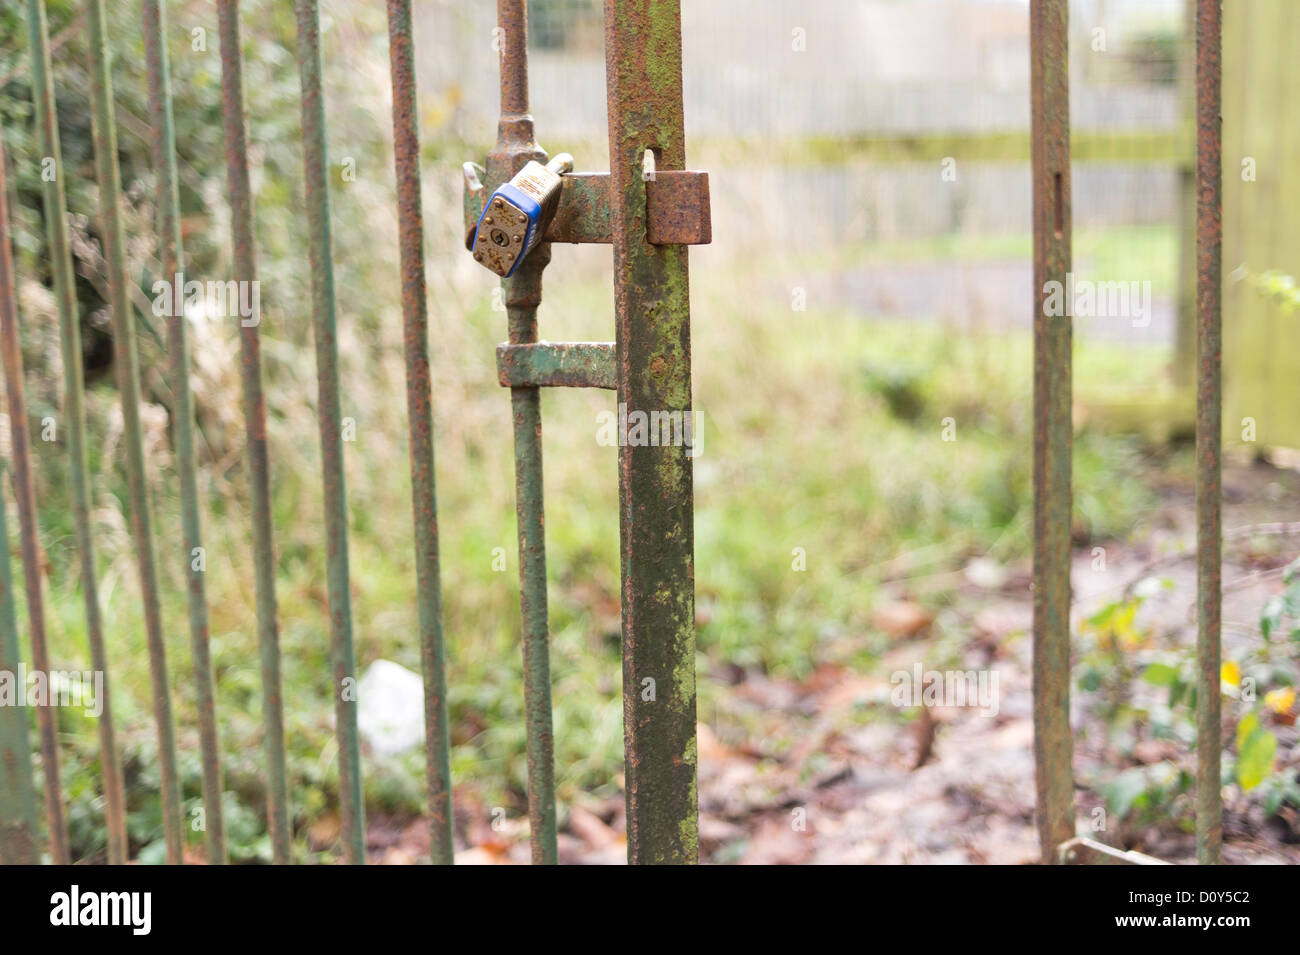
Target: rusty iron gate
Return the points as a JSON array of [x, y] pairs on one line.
[[648, 218], [649, 208]]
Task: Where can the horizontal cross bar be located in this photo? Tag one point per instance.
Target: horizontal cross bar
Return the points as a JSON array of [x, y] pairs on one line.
[[567, 365], [677, 205]]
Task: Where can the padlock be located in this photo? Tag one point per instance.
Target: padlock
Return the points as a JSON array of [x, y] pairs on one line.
[[515, 218]]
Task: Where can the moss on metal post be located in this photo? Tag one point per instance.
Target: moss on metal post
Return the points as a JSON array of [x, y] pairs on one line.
[[643, 69]]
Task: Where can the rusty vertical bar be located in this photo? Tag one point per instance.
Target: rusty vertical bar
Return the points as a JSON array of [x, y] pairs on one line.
[[643, 69], [419, 402], [516, 145], [127, 362], [56, 224], [20, 842], [259, 469], [1053, 435], [1209, 430], [325, 322], [154, 18]]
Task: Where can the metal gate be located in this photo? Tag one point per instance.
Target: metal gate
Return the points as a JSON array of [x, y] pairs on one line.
[[649, 208], [647, 212]]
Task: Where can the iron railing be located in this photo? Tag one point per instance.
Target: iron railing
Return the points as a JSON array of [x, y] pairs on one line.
[[649, 208], [1053, 433]]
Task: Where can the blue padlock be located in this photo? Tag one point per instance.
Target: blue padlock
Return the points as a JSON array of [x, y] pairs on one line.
[[515, 218]]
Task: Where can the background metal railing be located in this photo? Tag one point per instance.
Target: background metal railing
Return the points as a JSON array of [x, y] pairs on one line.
[[1053, 432]]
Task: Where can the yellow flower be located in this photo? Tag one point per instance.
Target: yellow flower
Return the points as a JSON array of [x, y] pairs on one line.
[[1230, 673]]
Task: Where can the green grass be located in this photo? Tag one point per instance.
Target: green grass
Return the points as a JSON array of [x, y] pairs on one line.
[[1122, 253]]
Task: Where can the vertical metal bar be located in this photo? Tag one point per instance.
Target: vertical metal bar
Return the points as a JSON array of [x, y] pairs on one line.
[[516, 145], [1209, 429], [327, 371], [1185, 298], [259, 470], [19, 835], [56, 224], [643, 69], [19, 839], [1053, 435], [127, 362], [168, 198], [419, 402]]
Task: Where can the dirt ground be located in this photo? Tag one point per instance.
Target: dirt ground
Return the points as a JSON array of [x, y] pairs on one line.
[[822, 781]]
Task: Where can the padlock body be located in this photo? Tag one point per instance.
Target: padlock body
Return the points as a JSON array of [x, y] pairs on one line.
[[514, 218]]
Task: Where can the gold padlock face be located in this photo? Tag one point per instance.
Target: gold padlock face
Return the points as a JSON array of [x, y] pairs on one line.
[[502, 236]]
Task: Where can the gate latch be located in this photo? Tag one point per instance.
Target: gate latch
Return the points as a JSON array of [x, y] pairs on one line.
[[515, 218]]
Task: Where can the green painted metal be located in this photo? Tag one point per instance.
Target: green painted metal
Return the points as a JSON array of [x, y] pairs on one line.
[[254, 401], [74, 416], [523, 294], [1209, 432], [567, 365], [191, 552], [1053, 434], [325, 321], [127, 363], [19, 831], [643, 69], [419, 398], [515, 146], [19, 837]]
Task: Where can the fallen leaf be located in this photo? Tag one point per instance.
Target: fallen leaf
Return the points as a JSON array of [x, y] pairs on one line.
[[902, 619]]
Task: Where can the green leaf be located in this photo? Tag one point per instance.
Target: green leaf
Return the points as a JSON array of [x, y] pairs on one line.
[[1160, 674], [1125, 789], [1270, 618], [1256, 749], [1090, 679]]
